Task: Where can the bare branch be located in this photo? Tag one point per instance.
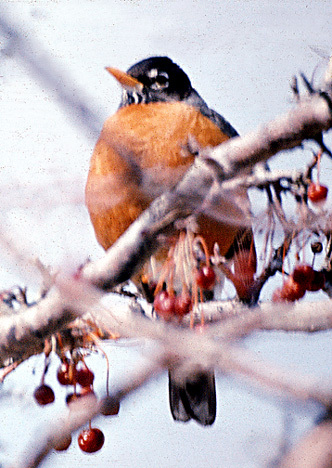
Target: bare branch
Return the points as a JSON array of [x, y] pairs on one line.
[[187, 347], [233, 321], [22, 333]]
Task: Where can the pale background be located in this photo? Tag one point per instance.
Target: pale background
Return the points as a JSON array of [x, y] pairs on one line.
[[241, 56]]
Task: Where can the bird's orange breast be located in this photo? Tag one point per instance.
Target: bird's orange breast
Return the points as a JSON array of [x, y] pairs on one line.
[[140, 154]]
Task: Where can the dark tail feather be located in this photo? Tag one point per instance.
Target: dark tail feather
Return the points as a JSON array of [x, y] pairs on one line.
[[194, 399]]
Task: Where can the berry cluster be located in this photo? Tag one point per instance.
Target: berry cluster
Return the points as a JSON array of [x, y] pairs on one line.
[[73, 373], [169, 304], [304, 278], [186, 271], [70, 373]]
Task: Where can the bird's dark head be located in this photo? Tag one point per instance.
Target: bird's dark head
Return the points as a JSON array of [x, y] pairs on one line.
[[152, 80]]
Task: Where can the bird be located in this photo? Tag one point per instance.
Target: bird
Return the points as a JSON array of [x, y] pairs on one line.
[[142, 152]]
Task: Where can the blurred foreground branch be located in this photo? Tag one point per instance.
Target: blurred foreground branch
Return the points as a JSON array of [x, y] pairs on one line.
[[313, 451], [38, 62]]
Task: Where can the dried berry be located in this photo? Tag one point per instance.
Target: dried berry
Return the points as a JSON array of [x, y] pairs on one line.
[[84, 376], [44, 395], [303, 274], [183, 304]]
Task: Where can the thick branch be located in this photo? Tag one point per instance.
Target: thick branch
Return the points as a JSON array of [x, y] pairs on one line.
[[22, 334], [179, 346], [234, 322], [307, 120]]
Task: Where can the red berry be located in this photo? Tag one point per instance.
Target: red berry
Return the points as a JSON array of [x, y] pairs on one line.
[[292, 291], [205, 277], [66, 373], [110, 406], [164, 304], [63, 444], [44, 395], [289, 292], [303, 274], [84, 376], [317, 193], [91, 440], [318, 282], [183, 304]]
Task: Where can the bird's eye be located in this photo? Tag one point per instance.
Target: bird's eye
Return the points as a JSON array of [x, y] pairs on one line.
[[162, 79], [159, 81]]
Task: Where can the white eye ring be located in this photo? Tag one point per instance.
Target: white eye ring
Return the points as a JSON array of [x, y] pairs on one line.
[[164, 74], [153, 73]]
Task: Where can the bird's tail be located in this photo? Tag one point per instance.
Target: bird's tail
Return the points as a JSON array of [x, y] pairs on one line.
[[194, 398]]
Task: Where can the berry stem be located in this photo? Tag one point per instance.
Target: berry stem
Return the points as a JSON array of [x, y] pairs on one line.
[[199, 239], [319, 155], [194, 291], [183, 262], [195, 303], [96, 342], [169, 263], [202, 312], [283, 262]]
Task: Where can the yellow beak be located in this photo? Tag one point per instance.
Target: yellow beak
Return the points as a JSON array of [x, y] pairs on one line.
[[126, 81]]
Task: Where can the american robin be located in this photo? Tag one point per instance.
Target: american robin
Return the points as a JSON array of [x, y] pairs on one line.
[[139, 155]]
